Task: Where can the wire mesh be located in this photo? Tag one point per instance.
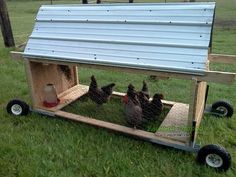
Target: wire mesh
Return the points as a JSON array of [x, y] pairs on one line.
[[136, 109]]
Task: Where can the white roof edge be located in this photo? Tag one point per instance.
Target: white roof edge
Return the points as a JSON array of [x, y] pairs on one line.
[[107, 63], [130, 4]]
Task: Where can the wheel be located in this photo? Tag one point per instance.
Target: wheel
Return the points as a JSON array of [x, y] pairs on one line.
[[222, 108], [17, 108], [214, 156]]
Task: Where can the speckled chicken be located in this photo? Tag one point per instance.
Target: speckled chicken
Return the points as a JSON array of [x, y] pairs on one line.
[[133, 110], [99, 95], [154, 108]]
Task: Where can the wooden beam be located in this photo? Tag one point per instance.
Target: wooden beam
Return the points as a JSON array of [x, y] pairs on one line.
[[122, 129], [219, 58], [30, 81], [192, 109], [16, 55], [217, 77], [6, 25], [209, 76], [76, 74], [200, 106], [193, 101]]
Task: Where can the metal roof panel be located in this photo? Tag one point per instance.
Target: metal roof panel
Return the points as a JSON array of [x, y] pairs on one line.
[[171, 37]]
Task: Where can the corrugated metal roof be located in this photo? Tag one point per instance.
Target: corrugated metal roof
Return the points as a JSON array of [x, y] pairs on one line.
[[167, 36]]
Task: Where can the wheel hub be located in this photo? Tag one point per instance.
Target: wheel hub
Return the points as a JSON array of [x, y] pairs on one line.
[[214, 160], [16, 109], [222, 110]]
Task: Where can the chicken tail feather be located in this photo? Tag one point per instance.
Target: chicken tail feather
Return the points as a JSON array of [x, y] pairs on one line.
[[145, 87], [93, 82], [108, 88]]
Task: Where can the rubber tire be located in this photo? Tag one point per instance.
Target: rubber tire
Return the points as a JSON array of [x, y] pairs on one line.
[[215, 149], [225, 104], [24, 106]]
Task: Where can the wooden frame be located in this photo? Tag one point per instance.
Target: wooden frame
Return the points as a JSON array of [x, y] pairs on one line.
[[179, 128], [209, 76]]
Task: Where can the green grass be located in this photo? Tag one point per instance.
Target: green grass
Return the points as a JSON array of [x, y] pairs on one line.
[[42, 146]]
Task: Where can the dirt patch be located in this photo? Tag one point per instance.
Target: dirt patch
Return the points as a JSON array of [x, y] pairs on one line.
[[226, 23]]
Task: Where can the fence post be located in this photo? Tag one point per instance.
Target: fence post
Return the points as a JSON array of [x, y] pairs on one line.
[[6, 25], [85, 1]]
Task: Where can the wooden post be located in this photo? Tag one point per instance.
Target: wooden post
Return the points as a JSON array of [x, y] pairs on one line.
[[131, 1], [99, 1], [6, 25]]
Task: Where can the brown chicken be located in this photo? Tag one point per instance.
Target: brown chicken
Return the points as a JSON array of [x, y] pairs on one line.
[[153, 109], [133, 110], [99, 95]]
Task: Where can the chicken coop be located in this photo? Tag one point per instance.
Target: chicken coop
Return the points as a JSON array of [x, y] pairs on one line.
[[166, 40]]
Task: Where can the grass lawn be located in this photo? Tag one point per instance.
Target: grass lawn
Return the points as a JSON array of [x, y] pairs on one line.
[[42, 146]]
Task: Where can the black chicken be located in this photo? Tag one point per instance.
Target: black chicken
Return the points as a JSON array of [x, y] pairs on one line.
[[154, 108], [145, 90], [99, 95], [133, 110], [143, 95]]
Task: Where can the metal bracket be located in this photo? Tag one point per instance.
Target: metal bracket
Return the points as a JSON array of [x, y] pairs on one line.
[[46, 113], [206, 95]]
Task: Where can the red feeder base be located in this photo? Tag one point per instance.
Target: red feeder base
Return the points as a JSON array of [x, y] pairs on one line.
[[50, 105]]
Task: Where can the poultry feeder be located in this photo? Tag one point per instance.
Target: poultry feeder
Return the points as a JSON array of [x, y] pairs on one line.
[[171, 40], [50, 96]]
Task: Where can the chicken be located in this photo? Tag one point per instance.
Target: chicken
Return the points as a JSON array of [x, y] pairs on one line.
[[143, 95], [133, 110], [99, 95], [153, 108], [145, 90]]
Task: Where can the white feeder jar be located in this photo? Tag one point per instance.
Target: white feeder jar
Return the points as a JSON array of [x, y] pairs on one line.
[[50, 96]]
